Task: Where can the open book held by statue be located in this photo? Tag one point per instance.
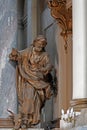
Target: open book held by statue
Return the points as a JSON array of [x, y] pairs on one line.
[[33, 87]]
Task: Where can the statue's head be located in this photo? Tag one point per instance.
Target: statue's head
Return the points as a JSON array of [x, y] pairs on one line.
[[40, 40]]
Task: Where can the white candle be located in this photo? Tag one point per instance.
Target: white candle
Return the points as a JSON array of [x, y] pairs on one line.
[[62, 116], [71, 110], [67, 111], [62, 111]]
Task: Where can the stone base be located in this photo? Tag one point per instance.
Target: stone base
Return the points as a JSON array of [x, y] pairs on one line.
[[66, 125], [6, 123], [22, 129], [5, 128], [32, 129]]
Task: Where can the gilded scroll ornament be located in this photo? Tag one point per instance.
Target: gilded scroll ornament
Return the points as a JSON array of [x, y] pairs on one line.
[[63, 16]]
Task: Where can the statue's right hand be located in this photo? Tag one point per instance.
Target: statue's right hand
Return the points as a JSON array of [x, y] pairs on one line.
[[14, 54]]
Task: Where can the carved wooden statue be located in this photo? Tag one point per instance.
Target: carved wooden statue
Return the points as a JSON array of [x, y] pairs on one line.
[[33, 88]]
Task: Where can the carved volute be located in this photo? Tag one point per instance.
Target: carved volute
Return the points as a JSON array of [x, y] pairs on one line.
[[64, 17]]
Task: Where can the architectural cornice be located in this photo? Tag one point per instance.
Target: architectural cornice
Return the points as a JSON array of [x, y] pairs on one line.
[[22, 22], [79, 104], [63, 15]]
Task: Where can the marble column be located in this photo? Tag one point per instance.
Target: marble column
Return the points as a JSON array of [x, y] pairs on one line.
[[64, 70], [8, 39], [22, 24], [29, 22], [79, 53], [32, 25]]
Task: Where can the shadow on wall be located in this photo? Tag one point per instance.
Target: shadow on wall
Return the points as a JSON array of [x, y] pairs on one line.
[[50, 33]]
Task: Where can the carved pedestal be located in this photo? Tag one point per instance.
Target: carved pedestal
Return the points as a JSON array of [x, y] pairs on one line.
[[22, 129], [6, 123], [79, 104]]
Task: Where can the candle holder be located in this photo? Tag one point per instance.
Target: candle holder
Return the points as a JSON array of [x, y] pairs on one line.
[[67, 119]]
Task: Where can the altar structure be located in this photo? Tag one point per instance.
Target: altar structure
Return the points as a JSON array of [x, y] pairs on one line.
[[21, 21]]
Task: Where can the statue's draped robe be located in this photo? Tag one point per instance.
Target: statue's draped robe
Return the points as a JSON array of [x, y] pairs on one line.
[[32, 88]]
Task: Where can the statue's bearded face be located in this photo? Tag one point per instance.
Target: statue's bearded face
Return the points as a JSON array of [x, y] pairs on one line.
[[39, 45]]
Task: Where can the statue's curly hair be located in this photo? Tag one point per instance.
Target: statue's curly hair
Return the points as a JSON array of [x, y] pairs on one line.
[[40, 38]]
